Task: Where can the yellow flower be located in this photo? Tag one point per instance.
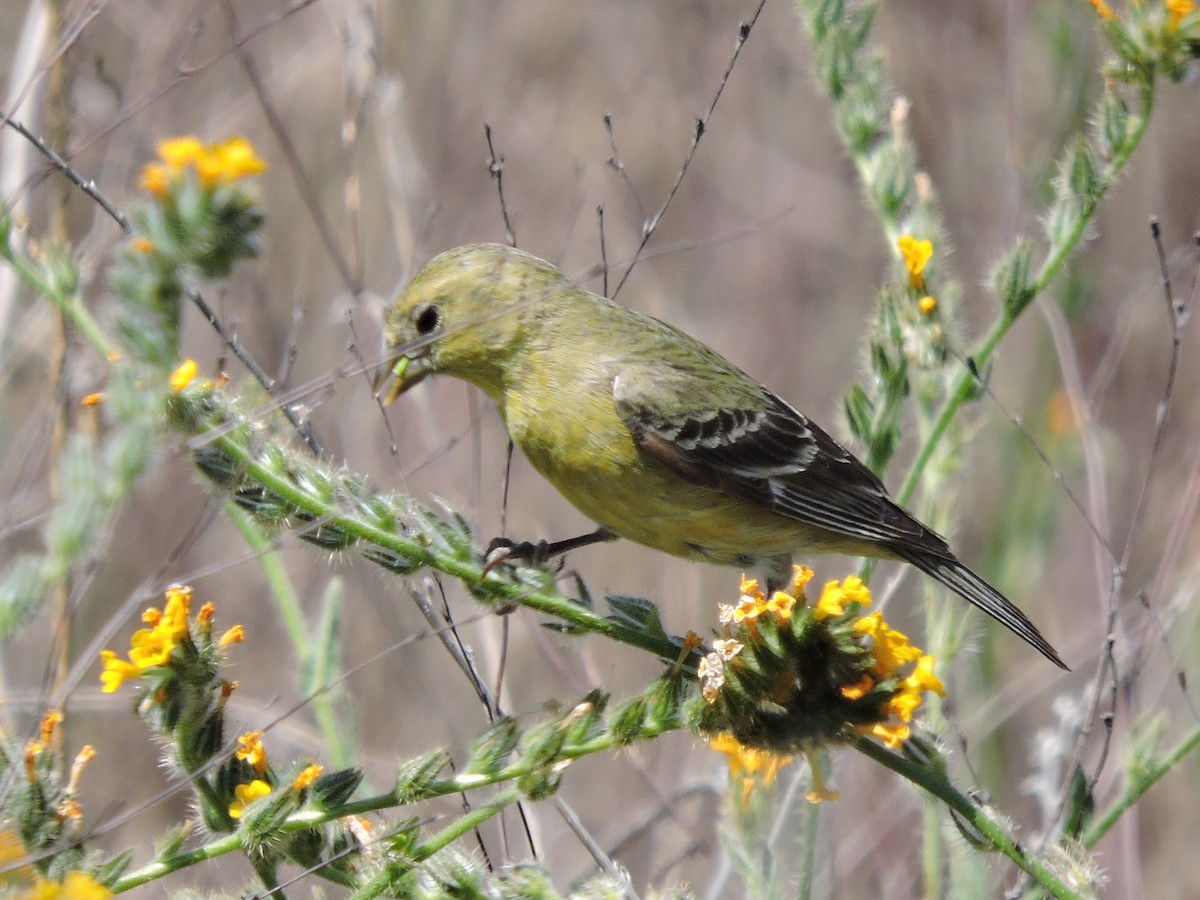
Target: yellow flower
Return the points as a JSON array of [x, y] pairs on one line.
[[93, 399], [750, 764], [229, 161], [882, 677], [116, 671], [150, 647], [916, 254], [50, 720], [890, 648], [904, 704], [835, 597], [180, 152], [820, 793], [33, 750], [781, 604], [142, 244], [1177, 10], [12, 857], [234, 635], [749, 587], [307, 777], [1102, 9], [927, 305], [184, 375], [859, 689], [748, 608], [893, 734], [67, 808], [75, 886], [801, 576], [753, 603], [155, 179], [175, 612], [214, 164], [922, 678], [251, 749], [247, 794]]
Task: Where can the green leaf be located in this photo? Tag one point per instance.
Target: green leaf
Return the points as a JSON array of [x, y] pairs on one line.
[[637, 613], [321, 664]]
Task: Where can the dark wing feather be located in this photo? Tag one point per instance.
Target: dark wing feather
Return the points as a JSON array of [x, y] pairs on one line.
[[768, 453], [762, 450]]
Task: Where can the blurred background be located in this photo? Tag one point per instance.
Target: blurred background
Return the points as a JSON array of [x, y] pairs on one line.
[[371, 116]]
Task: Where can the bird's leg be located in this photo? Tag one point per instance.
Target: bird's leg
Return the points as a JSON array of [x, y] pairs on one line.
[[502, 549]]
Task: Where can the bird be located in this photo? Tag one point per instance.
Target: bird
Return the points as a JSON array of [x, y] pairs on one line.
[[649, 432]]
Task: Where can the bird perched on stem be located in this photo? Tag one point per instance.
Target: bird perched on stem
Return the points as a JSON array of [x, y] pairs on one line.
[[650, 433]]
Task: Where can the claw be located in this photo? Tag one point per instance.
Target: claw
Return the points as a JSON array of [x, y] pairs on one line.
[[501, 550], [496, 554]]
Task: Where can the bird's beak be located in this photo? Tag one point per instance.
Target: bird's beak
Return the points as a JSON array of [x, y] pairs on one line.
[[403, 371]]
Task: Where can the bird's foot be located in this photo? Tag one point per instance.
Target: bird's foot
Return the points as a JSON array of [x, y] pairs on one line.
[[501, 550]]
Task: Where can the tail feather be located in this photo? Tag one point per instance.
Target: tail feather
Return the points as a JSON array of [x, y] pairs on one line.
[[954, 575]]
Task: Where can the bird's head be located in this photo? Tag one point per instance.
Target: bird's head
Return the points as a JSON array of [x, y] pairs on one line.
[[461, 315]]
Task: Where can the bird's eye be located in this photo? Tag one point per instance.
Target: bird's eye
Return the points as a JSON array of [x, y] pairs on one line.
[[427, 320]]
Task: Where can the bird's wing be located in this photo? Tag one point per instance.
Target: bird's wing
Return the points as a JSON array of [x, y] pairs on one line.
[[737, 437]]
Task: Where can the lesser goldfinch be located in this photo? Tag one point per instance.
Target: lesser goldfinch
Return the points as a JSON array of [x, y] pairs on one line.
[[652, 434]]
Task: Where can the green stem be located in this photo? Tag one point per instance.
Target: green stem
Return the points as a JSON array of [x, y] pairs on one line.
[[69, 303], [963, 388], [651, 728], [1144, 780], [544, 598], [230, 843], [977, 818], [810, 828], [386, 880]]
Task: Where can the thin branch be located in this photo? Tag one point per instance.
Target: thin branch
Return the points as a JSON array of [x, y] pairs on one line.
[[496, 170], [88, 186], [649, 227], [614, 163], [603, 249]]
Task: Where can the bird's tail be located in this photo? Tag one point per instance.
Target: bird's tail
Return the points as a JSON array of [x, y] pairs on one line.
[[954, 575]]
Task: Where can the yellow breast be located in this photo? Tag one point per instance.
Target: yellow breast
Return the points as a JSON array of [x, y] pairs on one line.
[[566, 424]]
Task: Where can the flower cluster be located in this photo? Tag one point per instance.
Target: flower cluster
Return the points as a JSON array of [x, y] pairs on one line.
[[789, 676], [176, 661], [201, 218], [1176, 11], [170, 634], [43, 820], [214, 165], [1161, 38], [253, 754]]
